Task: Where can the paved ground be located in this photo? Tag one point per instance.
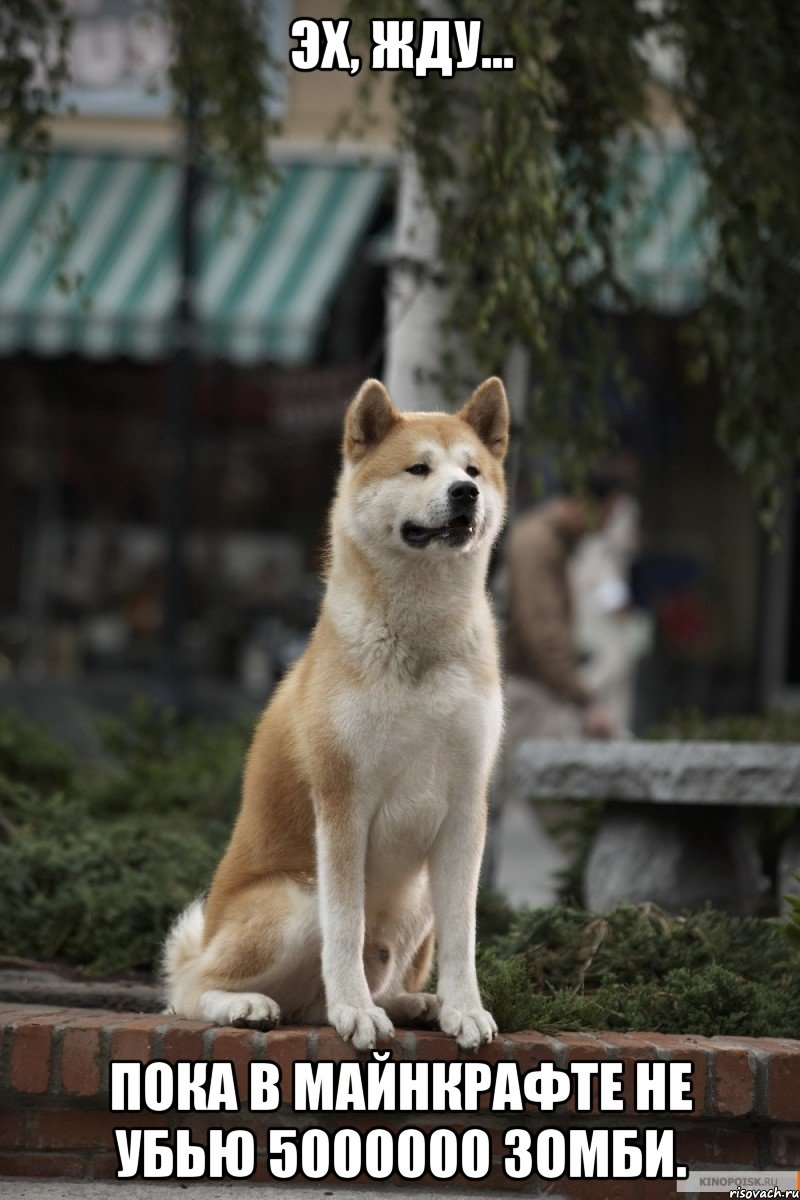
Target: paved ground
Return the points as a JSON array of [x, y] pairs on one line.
[[57, 1189]]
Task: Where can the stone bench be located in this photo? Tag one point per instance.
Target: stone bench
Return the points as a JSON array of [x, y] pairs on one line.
[[672, 832]]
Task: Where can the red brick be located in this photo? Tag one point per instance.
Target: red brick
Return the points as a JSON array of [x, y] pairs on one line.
[[435, 1047], [77, 1129], [790, 1045], [716, 1147], [489, 1052], [399, 1045], [530, 1050], [237, 1046], [497, 1134], [784, 1083], [332, 1048], [285, 1047], [50, 1166], [640, 1046], [580, 1044], [582, 1047], [630, 1049], [31, 1053], [169, 1119], [594, 1189], [9, 1012], [261, 1174], [661, 1189], [632, 1038], [404, 1045], [183, 1041], [496, 1180], [81, 1017], [12, 1128], [681, 1048], [734, 1075], [428, 1184], [199, 1124], [80, 1061], [786, 1147], [744, 1043], [133, 1040], [104, 1166], [458, 1123]]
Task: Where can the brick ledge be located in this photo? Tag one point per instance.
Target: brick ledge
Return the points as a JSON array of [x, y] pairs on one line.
[[54, 1075]]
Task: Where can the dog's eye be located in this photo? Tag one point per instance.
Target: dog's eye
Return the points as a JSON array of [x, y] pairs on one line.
[[472, 471], [419, 469]]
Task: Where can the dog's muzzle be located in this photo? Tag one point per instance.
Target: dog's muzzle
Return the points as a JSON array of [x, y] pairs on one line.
[[462, 499]]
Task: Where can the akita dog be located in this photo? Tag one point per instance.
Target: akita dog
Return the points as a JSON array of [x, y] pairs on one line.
[[364, 799]]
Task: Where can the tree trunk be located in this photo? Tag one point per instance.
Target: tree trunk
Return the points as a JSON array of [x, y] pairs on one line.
[[417, 300]]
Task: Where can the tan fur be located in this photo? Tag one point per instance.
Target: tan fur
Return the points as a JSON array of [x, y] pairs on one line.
[[303, 771], [417, 974]]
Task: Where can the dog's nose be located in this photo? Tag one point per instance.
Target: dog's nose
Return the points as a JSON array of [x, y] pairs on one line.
[[462, 494]]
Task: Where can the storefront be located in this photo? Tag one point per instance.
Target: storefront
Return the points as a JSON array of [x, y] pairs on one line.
[[288, 314]]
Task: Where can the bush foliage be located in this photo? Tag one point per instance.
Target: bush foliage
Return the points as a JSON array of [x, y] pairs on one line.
[[96, 859], [637, 968], [691, 725]]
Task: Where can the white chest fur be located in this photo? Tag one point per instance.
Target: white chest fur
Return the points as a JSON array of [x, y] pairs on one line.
[[416, 750]]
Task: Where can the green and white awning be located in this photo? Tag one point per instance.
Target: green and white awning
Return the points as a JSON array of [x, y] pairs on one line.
[[88, 252], [88, 257], [663, 245]]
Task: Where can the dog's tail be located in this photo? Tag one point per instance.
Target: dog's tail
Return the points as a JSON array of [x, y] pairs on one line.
[[182, 950]]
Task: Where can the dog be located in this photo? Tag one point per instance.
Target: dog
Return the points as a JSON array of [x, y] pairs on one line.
[[363, 812]]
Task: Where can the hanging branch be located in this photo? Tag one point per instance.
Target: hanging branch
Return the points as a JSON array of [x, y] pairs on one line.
[[518, 167], [34, 40], [742, 80], [225, 40]]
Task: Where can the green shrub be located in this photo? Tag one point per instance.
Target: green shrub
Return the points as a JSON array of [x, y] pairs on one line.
[[638, 968], [100, 894], [95, 863], [567, 947], [158, 764], [711, 1002], [30, 756], [692, 725], [792, 925]]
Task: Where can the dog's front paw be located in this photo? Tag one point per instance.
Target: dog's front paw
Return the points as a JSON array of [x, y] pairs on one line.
[[413, 1006], [469, 1025], [250, 1009], [364, 1027]]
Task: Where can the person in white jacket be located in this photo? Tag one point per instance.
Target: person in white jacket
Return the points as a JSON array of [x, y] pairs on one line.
[[610, 633]]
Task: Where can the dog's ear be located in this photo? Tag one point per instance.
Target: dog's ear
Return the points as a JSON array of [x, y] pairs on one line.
[[487, 412], [369, 418]]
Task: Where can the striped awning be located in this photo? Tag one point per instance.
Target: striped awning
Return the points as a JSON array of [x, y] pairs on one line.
[[663, 245], [88, 257]]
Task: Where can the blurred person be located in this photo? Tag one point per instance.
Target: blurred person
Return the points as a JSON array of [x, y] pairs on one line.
[[547, 695], [611, 634]]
